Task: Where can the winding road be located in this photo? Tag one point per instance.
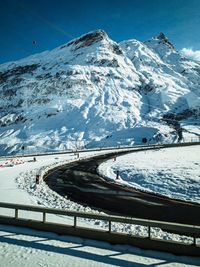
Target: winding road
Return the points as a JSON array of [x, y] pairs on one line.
[[80, 182]]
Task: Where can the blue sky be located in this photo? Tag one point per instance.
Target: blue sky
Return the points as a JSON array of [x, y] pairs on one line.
[[54, 22]]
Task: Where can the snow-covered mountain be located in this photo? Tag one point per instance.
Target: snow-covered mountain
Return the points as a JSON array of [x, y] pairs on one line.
[[93, 91]]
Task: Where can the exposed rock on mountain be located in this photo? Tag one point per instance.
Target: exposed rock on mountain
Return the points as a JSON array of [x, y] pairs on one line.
[[165, 40]]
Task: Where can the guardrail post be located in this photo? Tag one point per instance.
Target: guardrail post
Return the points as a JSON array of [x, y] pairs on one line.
[[44, 217], [110, 227], [75, 221], [149, 232], [16, 214], [194, 241]]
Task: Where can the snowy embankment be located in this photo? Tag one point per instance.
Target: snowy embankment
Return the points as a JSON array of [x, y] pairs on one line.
[[9, 190], [172, 172], [18, 181]]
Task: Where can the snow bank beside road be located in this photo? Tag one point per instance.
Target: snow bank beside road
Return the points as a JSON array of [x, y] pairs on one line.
[[9, 191], [173, 172]]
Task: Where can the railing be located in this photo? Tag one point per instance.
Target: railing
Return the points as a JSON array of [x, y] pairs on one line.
[[192, 141], [149, 241]]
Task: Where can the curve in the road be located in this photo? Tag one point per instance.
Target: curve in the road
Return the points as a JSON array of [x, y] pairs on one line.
[[80, 182]]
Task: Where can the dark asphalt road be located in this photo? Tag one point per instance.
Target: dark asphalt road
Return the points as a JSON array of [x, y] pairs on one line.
[[81, 183]]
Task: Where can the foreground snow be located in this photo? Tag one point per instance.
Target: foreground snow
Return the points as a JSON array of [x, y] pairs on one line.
[[172, 172], [24, 247]]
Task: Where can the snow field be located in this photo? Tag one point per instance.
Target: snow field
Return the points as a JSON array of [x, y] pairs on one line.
[[124, 89], [172, 172]]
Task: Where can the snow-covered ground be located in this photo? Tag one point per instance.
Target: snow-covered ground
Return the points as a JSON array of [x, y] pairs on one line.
[[128, 91], [173, 172], [9, 191], [15, 178], [24, 247], [20, 247]]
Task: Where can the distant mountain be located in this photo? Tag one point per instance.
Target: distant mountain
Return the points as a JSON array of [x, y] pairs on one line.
[[93, 91]]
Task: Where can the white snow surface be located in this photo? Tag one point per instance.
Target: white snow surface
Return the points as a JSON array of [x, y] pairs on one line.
[[25, 247], [20, 247], [172, 172], [13, 178], [94, 92]]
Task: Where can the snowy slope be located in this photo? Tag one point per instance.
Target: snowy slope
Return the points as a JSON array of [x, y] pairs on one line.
[[172, 172], [95, 92]]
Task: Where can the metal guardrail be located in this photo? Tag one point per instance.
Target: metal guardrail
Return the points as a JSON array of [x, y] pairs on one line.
[[119, 147], [181, 229], [72, 151]]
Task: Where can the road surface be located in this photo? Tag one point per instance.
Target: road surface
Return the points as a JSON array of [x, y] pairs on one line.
[[81, 183]]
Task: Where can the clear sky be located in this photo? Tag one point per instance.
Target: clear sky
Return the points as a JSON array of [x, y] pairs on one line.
[[30, 26]]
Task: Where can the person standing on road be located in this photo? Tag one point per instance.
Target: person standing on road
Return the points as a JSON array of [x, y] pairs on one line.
[[37, 178], [117, 175]]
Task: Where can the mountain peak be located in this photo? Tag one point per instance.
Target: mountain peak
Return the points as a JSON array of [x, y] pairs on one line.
[[89, 38], [162, 36], [164, 39]]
